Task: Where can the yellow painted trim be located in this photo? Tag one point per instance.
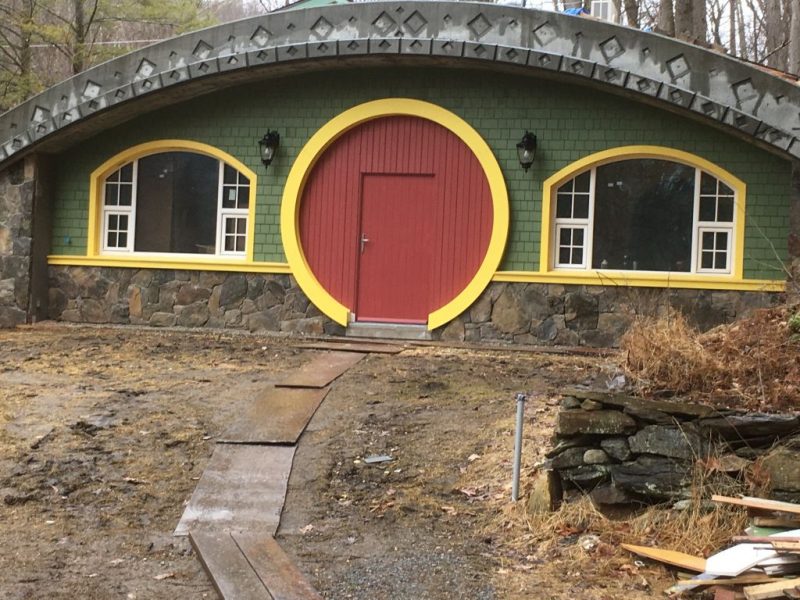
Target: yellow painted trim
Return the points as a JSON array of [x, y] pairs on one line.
[[627, 152], [638, 279], [181, 263], [155, 147], [342, 123]]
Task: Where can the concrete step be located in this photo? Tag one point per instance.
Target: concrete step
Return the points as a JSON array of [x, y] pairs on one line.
[[388, 331]]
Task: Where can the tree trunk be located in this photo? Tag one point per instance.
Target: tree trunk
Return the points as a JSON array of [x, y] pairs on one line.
[[665, 21], [794, 38], [699, 23], [732, 27], [79, 32], [684, 20], [773, 21], [632, 13]]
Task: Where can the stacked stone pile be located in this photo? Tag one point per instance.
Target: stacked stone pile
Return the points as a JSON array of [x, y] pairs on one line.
[[622, 449]]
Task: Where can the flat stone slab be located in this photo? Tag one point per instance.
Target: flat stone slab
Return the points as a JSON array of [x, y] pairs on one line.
[[321, 370], [689, 409], [278, 416], [243, 488], [601, 422]]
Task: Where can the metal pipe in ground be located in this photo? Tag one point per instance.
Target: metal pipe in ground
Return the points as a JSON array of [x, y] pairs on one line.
[[521, 398]]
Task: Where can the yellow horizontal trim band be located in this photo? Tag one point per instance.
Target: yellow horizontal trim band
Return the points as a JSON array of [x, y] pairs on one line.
[[684, 281], [189, 264]]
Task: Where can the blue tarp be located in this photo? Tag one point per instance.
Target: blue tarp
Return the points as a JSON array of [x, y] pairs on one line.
[[576, 11]]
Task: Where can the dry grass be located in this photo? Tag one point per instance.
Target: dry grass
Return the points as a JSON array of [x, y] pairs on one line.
[[753, 363]]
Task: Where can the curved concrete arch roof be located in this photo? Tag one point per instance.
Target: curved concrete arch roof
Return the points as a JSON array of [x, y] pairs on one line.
[[736, 96]]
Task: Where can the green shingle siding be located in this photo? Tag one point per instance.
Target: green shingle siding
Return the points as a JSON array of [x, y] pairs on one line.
[[570, 122]]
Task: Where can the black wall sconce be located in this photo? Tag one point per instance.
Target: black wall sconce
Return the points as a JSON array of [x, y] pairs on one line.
[[526, 150], [268, 146]]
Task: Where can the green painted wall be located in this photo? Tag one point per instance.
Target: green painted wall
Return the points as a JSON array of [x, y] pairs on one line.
[[569, 121]]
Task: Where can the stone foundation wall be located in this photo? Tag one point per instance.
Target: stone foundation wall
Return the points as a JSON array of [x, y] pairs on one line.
[[578, 315], [622, 450], [16, 210], [507, 312], [165, 298]]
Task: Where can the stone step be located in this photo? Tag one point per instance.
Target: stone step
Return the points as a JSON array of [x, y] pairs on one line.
[[388, 331]]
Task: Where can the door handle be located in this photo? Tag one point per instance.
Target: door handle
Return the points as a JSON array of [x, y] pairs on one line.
[[363, 241]]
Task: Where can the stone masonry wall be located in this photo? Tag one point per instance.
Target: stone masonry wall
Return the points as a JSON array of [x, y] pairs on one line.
[[511, 313], [621, 449], [574, 315], [166, 298], [16, 210]]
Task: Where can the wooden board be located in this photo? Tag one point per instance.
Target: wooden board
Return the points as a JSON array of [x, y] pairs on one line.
[[366, 347], [243, 487], [275, 569], [770, 590], [321, 370], [738, 559], [741, 580], [226, 566], [670, 557], [278, 416], [760, 503]]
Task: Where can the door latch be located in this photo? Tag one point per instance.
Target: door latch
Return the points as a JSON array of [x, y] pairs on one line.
[[363, 241]]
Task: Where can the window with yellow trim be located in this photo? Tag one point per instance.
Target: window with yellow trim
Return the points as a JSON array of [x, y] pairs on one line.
[[175, 202], [644, 214]]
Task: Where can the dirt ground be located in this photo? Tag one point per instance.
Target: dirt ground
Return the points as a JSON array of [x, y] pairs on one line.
[[104, 433]]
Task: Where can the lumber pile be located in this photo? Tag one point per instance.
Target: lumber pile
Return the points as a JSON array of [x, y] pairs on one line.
[[763, 563]]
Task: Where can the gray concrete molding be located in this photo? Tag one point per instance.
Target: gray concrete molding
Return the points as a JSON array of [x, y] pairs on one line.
[[736, 96]]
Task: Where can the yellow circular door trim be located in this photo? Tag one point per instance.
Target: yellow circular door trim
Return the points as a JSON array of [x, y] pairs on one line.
[[332, 130]]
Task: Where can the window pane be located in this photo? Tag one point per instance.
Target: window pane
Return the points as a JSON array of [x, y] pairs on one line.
[[126, 173], [721, 260], [577, 256], [708, 208], [708, 241], [230, 226], [564, 206], [581, 206], [643, 215], [564, 256], [244, 197], [112, 222], [577, 237], [123, 222], [722, 240], [228, 197], [724, 190], [111, 195], [240, 243], [229, 243], [111, 240], [725, 210], [708, 185], [567, 188], [566, 237], [122, 240], [177, 203], [582, 182], [230, 174], [707, 260], [125, 194]]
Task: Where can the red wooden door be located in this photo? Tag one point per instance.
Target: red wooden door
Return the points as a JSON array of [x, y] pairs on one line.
[[397, 248]]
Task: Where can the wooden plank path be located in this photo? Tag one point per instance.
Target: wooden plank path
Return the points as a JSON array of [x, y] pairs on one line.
[[322, 370], [235, 509], [365, 347], [243, 487], [278, 416]]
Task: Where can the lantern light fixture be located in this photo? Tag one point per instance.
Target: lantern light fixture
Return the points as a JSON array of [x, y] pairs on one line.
[[268, 146], [526, 150]]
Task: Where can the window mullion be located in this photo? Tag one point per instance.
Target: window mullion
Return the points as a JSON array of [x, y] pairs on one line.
[[696, 222]]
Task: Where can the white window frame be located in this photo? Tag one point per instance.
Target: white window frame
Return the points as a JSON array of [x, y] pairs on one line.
[[222, 214], [698, 226], [599, 6], [129, 211]]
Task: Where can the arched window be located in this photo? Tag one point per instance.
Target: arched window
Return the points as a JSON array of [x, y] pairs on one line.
[[175, 202], [644, 214]]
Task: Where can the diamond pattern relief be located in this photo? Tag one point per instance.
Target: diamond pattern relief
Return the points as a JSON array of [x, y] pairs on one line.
[[415, 22], [611, 48], [744, 91], [322, 28], [91, 90], [40, 114], [261, 36], [544, 33], [384, 23], [479, 25], [202, 50], [145, 69], [678, 67]]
